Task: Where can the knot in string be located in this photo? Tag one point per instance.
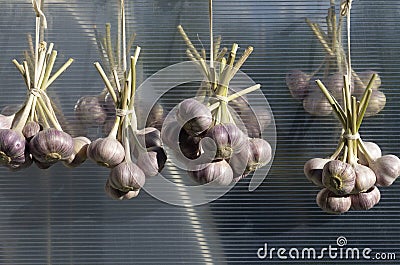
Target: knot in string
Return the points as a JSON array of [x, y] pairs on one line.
[[222, 98], [123, 112], [352, 136], [36, 92], [345, 7]]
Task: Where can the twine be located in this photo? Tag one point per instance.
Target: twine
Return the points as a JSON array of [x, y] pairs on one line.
[[36, 92], [345, 7], [123, 112], [39, 13], [352, 136], [222, 98]]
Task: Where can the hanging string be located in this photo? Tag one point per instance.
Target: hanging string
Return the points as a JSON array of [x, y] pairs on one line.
[[345, 9], [210, 10]]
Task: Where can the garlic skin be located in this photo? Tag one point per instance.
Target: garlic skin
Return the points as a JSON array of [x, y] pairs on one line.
[[51, 145], [193, 116], [79, 156], [170, 134], [317, 105], [217, 173], [376, 103], [313, 170], [107, 152], [119, 195], [387, 169], [365, 178], [89, 110], [374, 151], [365, 200], [297, 82], [6, 121], [12, 147], [152, 161], [156, 117], [126, 176], [339, 177], [30, 129], [332, 203]]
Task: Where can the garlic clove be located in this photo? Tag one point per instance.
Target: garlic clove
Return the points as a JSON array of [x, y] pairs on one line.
[[126, 176], [12, 147], [51, 145], [217, 173], [332, 203], [107, 152], [374, 151], [297, 82], [313, 170], [79, 156], [365, 200], [387, 169], [119, 195], [339, 177], [365, 178], [18, 166]]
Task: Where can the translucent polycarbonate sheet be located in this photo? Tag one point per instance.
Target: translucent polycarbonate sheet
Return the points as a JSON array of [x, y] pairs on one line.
[[62, 216]]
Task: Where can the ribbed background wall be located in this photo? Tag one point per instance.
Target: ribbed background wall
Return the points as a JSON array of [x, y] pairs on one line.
[[62, 216]]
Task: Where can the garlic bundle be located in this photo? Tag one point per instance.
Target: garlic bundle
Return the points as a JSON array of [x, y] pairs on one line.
[[350, 177], [302, 85], [35, 133], [131, 154], [207, 132]]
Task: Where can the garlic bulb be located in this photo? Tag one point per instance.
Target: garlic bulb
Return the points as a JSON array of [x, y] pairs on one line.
[[316, 104], [313, 170], [193, 116], [227, 138], [149, 137], [365, 178], [339, 177], [89, 110], [119, 195], [30, 129], [373, 150], [335, 84], [126, 176], [218, 173], [79, 156], [376, 103], [107, 152], [387, 169], [18, 166], [297, 82], [239, 162], [12, 147], [365, 200], [152, 161], [6, 121], [365, 77], [51, 145], [332, 203], [260, 153]]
